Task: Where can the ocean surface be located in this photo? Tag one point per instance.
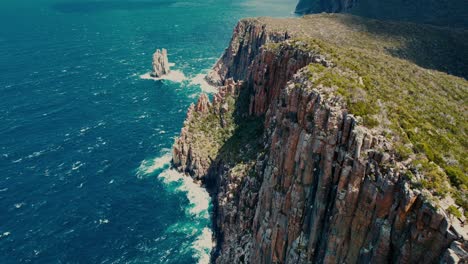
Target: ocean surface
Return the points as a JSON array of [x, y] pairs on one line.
[[85, 136]]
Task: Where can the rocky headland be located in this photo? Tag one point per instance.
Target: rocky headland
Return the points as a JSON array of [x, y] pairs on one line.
[[334, 139]]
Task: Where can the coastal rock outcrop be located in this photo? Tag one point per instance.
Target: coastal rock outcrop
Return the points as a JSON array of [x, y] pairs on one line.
[[313, 185], [160, 63]]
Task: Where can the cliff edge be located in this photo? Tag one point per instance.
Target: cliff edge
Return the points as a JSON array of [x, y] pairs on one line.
[[334, 139]]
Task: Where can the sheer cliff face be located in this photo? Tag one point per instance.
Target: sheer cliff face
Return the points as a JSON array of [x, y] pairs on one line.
[[321, 188], [450, 13]]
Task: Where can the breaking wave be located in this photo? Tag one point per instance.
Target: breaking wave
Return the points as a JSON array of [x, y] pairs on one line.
[[199, 203], [173, 75], [150, 166], [199, 80]]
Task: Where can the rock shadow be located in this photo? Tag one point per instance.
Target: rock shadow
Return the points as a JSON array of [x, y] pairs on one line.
[[430, 47]]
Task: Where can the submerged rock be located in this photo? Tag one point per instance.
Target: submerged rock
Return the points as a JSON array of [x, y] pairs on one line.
[[160, 63]]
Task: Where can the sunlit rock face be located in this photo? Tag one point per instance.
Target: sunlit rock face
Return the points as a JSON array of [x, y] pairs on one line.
[[160, 63], [321, 188]]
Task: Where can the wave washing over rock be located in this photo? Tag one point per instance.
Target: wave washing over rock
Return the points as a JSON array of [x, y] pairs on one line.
[[173, 76], [205, 86], [161, 69], [295, 177], [199, 203]]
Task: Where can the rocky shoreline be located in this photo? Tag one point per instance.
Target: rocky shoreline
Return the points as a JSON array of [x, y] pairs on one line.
[[310, 184]]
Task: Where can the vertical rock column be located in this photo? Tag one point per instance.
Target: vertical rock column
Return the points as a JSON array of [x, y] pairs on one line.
[[160, 63]]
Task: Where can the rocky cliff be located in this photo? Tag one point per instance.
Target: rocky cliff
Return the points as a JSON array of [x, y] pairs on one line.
[[296, 173], [452, 13]]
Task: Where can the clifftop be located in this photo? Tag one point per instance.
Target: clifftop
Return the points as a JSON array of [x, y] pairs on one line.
[[427, 46], [334, 139]]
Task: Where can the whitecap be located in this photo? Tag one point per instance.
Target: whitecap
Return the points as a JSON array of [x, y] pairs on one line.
[[149, 166], [199, 200], [200, 80], [36, 154], [198, 197], [77, 165], [5, 234], [173, 75], [18, 160], [199, 203], [19, 205], [84, 129], [103, 221]]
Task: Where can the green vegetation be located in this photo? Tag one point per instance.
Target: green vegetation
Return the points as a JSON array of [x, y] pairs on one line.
[[375, 69], [208, 135], [233, 137], [400, 78], [452, 210]]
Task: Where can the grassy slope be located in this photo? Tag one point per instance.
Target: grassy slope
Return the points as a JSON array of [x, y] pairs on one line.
[[437, 12], [236, 143], [400, 78], [393, 75]]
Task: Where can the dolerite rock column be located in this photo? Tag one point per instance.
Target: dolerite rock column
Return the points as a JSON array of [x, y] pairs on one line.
[[160, 63], [323, 189]]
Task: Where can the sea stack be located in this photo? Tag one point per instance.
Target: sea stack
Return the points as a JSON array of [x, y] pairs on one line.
[[160, 63]]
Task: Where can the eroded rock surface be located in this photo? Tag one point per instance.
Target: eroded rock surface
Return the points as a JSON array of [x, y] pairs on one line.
[[160, 63], [322, 188]]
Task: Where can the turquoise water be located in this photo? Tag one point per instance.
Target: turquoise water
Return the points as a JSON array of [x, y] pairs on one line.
[[85, 141]]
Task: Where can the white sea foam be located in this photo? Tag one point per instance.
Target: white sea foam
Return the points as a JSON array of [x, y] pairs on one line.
[[198, 197], [5, 234], [200, 80], [77, 165], [19, 205], [103, 221], [149, 166], [199, 203], [174, 76], [36, 154], [203, 246]]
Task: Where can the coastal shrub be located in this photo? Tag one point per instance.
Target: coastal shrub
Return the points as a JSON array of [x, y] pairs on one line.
[[452, 210], [420, 110]]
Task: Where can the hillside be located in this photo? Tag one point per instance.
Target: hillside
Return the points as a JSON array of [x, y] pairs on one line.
[[446, 13]]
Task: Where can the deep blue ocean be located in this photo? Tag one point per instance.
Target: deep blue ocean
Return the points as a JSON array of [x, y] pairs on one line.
[[85, 140]]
